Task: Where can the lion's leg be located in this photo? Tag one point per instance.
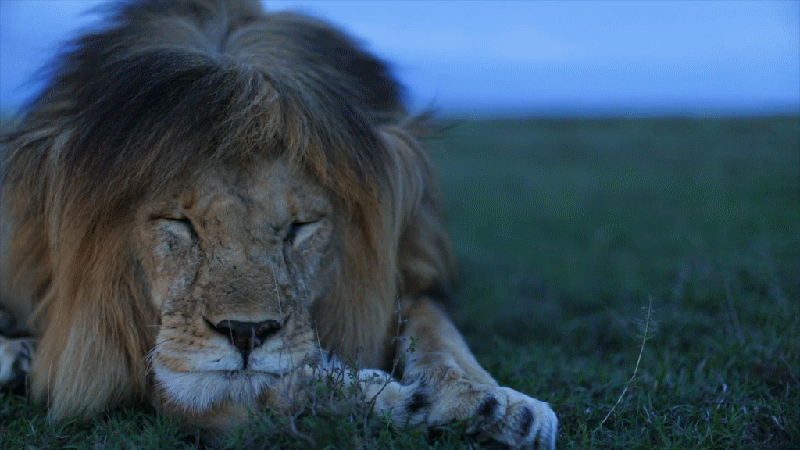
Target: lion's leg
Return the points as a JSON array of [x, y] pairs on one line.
[[452, 386]]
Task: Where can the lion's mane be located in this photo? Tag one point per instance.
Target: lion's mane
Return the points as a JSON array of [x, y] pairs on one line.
[[226, 81]]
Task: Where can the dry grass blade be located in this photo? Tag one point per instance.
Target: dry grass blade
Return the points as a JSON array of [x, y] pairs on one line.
[[647, 328]]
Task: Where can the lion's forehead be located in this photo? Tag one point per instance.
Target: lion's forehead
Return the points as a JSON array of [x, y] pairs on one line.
[[269, 193]]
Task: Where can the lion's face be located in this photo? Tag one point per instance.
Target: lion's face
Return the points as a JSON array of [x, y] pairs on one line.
[[234, 262]]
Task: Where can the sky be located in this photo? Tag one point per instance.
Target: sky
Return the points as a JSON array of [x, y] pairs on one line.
[[565, 58]]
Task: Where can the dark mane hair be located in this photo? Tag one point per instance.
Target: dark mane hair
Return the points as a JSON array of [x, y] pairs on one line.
[[155, 90]]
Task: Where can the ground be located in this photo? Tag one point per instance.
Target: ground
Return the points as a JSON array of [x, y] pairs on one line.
[[647, 268]]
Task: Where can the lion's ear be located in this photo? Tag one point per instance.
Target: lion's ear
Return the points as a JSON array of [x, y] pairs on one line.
[[424, 259]]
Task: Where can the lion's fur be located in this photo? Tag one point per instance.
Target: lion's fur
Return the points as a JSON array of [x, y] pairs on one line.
[[166, 91]]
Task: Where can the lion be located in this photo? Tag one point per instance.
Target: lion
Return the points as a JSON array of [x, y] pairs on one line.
[[209, 205]]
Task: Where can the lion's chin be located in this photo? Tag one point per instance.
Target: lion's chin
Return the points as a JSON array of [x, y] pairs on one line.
[[198, 392]]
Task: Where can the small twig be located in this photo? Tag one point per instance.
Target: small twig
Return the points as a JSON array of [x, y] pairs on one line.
[[638, 360], [395, 362]]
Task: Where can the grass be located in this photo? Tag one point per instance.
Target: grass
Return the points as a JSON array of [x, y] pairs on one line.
[[565, 230]]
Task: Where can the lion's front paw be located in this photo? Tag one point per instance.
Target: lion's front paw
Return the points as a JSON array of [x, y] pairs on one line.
[[15, 361], [513, 418], [497, 413]]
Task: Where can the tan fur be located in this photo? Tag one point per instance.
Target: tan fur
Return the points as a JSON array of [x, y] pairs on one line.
[[154, 189]]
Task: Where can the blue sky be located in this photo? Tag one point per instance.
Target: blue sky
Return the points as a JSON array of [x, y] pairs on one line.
[[629, 58]]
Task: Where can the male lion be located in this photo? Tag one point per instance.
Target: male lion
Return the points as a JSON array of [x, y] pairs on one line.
[[209, 205]]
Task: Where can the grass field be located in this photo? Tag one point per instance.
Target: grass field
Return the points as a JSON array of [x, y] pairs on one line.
[[590, 250]]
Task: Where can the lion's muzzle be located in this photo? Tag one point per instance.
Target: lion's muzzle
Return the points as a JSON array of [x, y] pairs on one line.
[[246, 336]]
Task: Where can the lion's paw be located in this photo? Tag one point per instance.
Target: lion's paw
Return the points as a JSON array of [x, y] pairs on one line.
[[497, 413], [15, 361], [513, 418], [493, 413]]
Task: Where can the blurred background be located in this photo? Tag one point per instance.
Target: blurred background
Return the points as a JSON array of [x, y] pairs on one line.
[[573, 58]]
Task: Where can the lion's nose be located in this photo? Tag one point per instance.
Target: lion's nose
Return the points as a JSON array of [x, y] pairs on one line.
[[246, 336]]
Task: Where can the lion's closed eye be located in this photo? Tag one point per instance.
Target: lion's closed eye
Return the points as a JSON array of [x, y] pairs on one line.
[[297, 232], [178, 228]]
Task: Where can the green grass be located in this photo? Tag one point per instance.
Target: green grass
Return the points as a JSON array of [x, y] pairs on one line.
[[564, 231]]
